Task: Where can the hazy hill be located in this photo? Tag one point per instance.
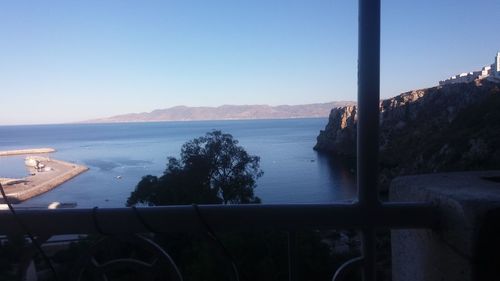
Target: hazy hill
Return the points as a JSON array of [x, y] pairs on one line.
[[228, 112]]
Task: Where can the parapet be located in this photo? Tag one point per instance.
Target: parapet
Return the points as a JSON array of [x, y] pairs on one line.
[[467, 244]]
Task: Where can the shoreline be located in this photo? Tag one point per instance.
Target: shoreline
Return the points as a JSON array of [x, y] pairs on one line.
[[39, 182]]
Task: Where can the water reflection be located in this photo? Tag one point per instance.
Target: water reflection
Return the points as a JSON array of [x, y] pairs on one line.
[[113, 163], [340, 173]]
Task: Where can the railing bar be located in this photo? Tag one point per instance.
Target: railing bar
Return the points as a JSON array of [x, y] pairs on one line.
[[233, 217], [368, 125], [368, 101], [292, 256], [368, 249]]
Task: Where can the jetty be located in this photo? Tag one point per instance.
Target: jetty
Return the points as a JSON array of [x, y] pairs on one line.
[[54, 173], [26, 151]]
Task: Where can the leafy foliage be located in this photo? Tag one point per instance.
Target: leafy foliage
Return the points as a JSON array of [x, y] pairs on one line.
[[212, 169]]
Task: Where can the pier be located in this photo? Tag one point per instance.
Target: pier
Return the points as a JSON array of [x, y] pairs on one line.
[[55, 173], [26, 151]]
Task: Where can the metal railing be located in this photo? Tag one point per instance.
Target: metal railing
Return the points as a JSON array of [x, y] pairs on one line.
[[367, 214], [167, 219], [114, 222]]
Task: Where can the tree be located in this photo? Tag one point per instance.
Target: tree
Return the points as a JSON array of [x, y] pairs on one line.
[[212, 169]]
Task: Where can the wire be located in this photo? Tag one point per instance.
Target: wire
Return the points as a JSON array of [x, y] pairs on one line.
[[28, 232], [142, 221], [214, 237]]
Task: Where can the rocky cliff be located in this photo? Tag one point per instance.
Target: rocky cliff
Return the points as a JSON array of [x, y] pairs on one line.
[[445, 128], [339, 136]]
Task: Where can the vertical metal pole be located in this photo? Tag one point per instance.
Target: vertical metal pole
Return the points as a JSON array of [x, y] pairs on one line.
[[292, 256], [369, 254], [368, 122], [368, 100]]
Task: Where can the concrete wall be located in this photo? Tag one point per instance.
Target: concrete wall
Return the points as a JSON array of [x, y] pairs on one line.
[[467, 245]]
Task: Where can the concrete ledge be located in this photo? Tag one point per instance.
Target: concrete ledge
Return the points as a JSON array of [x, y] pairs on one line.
[[454, 251]]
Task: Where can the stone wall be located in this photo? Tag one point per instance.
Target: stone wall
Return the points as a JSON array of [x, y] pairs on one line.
[[466, 247]]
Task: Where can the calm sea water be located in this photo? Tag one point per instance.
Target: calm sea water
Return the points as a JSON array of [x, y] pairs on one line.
[[293, 171]]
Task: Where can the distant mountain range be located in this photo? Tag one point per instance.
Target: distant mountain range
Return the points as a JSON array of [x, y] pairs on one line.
[[228, 112]]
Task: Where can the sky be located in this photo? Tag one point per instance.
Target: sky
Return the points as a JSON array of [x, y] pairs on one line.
[[67, 61]]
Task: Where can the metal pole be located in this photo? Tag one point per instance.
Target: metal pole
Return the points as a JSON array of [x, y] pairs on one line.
[[368, 122], [368, 100], [369, 254], [292, 256]]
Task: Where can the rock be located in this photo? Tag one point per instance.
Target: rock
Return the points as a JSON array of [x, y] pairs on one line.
[[444, 128], [339, 136]]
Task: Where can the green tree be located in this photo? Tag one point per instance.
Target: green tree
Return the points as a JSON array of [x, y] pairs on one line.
[[212, 169]]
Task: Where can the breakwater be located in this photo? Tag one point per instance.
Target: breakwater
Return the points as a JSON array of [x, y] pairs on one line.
[[26, 151], [48, 174]]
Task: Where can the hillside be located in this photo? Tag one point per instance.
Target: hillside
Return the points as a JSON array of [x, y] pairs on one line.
[[227, 112], [446, 128]]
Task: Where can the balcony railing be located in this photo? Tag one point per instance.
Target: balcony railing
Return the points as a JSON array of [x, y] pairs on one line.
[[287, 217], [366, 214]]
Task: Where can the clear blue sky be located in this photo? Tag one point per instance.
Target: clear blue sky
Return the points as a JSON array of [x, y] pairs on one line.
[[65, 61]]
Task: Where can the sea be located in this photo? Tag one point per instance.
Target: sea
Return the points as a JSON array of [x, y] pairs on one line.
[[119, 154]]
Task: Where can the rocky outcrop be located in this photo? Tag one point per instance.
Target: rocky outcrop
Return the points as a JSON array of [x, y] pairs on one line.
[[339, 136], [445, 128]]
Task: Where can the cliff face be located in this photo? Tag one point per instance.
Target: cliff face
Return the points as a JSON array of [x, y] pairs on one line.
[[339, 136], [451, 127]]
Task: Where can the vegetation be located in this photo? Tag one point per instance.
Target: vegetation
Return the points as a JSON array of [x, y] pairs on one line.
[[212, 169], [470, 141]]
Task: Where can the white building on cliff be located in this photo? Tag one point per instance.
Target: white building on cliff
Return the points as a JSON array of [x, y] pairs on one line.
[[490, 71]]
